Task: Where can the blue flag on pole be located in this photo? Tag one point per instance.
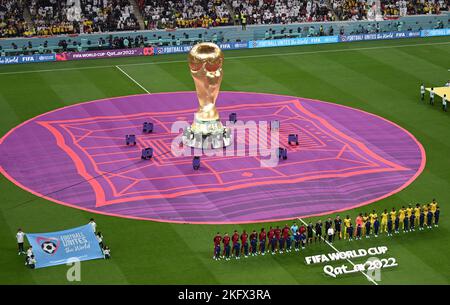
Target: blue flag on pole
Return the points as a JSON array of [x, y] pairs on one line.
[[62, 247]]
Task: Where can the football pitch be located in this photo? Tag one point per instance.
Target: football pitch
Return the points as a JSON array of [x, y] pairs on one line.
[[381, 77]]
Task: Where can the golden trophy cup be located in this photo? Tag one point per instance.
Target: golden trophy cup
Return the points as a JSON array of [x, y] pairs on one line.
[[205, 62]]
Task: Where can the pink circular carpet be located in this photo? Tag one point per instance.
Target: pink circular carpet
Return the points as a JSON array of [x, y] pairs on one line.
[[76, 156]]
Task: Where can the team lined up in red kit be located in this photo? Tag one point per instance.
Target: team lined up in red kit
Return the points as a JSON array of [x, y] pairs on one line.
[[255, 243]]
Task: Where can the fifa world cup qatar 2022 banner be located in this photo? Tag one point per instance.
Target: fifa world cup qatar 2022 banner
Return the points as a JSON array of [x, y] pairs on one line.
[[149, 51], [62, 247]]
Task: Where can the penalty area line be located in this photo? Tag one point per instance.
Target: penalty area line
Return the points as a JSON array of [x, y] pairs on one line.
[[132, 79], [335, 249]]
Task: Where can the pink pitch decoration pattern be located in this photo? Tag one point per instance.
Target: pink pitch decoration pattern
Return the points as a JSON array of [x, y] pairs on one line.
[[345, 158]]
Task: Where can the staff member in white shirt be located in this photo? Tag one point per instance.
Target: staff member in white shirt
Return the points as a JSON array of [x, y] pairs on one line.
[[29, 255], [422, 92], [107, 252], [100, 239], [330, 234], [444, 102], [19, 236], [31, 262], [93, 224], [30, 251], [432, 96]]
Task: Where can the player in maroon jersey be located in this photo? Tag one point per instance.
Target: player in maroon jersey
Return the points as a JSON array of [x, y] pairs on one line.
[[217, 240], [244, 249], [254, 243], [272, 240], [287, 237], [302, 229], [234, 240], [277, 237], [226, 246], [262, 241]]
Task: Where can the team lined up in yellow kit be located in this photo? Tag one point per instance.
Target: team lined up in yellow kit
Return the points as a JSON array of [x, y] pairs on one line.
[[405, 219]]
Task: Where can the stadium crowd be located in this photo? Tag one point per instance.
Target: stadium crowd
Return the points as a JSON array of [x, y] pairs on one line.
[[54, 17], [30, 259], [281, 11], [12, 23], [286, 239], [160, 14]]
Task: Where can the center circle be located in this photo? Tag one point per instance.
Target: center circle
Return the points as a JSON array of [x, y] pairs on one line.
[[77, 156]]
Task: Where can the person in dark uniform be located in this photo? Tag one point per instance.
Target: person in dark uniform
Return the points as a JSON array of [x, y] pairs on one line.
[[338, 226], [237, 249], [350, 232], [429, 219], [421, 220], [436, 217], [358, 232], [412, 222], [376, 226], [406, 224], [297, 241], [389, 226], [303, 240], [396, 224], [318, 231], [281, 244], [309, 230], [368, 225], [328, 224]]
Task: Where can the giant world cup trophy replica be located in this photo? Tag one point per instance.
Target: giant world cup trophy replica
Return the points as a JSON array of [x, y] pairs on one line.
[[205, 63]]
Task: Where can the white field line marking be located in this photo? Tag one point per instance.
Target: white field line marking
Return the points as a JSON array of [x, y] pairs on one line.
[[334, 248], [134, 81], [230, 58]]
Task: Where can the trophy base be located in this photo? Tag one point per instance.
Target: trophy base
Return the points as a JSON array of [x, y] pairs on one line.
[[207, 134]]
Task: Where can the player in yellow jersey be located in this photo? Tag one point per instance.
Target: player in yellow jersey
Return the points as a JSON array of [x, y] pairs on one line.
[[384, 219], [417, 214], [365, 219], [372, 217], [393, 214], [347, 222], [433, 206], [409, 211], [401, 216], [425, 208]]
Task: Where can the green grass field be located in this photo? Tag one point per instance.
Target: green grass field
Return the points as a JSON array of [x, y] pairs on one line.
[[380, 77]]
